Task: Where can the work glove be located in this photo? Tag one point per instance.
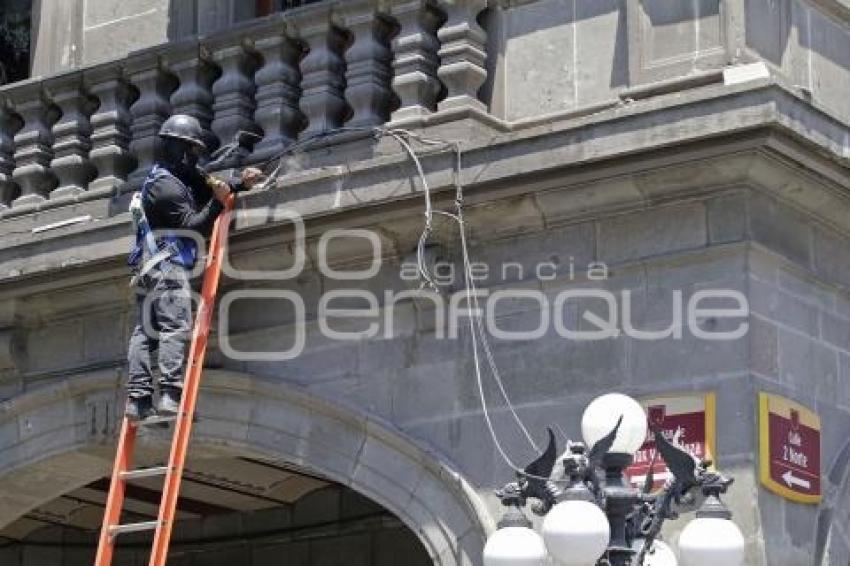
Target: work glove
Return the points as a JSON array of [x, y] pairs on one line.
[[248, 179]]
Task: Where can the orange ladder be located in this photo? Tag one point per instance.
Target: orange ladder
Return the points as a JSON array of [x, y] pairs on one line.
[[173, 472]]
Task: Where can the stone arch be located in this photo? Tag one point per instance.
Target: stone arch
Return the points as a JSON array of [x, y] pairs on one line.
[[58, 438], [833, 524]]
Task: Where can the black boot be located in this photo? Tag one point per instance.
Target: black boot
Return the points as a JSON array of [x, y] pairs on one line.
[[139, 408], [169, 401]]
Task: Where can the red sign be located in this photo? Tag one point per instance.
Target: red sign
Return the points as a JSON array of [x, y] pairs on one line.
[[789, 446], [687, 421]]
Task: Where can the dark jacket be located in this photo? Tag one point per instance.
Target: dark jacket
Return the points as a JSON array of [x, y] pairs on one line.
[[181, 199]]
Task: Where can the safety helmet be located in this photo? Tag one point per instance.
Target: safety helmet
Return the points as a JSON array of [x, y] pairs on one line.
[[183, 127]]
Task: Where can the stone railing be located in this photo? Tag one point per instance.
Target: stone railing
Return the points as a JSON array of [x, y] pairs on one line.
[[92, 133]]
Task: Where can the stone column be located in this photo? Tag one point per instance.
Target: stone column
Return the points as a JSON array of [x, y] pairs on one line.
[[192, 63], [323, 72], [368, 64], [463, 54], [150, 110], [71, 134], [278, 90], [415, 59], [110, 136], [233, 92], [33, 143], [8, 126]]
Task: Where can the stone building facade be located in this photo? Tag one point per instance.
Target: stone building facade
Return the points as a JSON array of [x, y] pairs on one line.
[[678, 146]]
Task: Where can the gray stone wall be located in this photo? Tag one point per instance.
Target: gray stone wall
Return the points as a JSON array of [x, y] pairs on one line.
[[658, 230], [74, 33], [580, 54], [738, 239], [598, 149]]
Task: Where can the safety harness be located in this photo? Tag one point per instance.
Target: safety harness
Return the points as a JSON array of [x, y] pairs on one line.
[[150, 250]]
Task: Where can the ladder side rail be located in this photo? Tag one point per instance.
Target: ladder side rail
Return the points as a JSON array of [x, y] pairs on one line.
[[115, 499], [195, 363]]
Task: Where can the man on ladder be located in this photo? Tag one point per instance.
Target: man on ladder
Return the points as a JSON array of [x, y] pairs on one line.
[[176, 202]]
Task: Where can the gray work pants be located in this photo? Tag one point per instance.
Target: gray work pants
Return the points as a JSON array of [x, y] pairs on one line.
[[163, 329]]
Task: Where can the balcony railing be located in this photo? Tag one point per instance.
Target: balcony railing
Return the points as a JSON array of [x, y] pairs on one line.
[[92, 133]]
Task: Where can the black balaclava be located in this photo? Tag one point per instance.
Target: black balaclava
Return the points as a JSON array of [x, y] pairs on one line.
[[178, 155]]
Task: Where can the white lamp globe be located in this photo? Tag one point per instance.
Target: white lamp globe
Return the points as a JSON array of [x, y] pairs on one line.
[[515, 546], [576, 533], [708, 541], [660, 555], [600, 418]]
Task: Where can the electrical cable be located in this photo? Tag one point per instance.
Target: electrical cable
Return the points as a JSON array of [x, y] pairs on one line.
[[477, 330], [426, 232]]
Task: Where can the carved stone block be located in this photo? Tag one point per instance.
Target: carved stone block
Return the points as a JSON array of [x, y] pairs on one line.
[[323, 72], [278, 90], [463, 54], [368, 65], [195, 70], [155, 85], [71, 135], [415, 59], [33, 143], [233, 91], [9, 124], [110, 136]]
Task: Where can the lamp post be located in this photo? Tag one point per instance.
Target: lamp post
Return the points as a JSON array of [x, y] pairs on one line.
[[593, 517]]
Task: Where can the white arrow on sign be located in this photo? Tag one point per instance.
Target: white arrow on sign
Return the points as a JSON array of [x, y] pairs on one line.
[[793, 480]]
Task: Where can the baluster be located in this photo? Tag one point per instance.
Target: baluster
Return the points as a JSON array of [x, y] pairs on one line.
[[110, 136], [278, 92], [233, 92], [33, 143], [323, 72], [192, 63], [71, 135], [463, 54], [152, 108], [8, 126], [415, 59], [368, 64]]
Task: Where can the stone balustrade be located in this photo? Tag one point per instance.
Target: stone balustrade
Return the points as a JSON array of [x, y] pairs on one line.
[[92, 133]]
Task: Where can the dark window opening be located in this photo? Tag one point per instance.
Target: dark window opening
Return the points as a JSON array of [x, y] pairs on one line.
[[15, 25], [266, 7]]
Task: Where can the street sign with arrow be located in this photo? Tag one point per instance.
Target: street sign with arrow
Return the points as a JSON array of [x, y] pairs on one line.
[[686, 420], [789, 447]]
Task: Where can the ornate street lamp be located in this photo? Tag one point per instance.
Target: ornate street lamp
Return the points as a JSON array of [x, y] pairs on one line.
[[593, 517]]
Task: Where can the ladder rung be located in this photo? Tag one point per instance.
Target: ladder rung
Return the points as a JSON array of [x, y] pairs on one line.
[[145, 473], [157, 420], [165, 419], [116, 530]]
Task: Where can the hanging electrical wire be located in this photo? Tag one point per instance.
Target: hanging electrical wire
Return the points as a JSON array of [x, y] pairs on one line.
[[478, 332], [476, 326]]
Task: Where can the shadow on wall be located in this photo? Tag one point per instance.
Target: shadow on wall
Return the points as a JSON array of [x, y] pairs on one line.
[[555, 13], [829, 539]]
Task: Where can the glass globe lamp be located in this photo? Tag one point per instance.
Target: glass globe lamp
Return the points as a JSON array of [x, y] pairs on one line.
[[659, 555], [576, 533], [708, 541], [514, 543], [712, 538], [601, 415]]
